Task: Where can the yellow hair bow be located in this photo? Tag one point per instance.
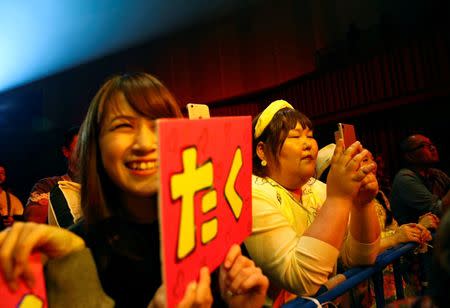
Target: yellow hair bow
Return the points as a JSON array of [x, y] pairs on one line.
[[267, 115]]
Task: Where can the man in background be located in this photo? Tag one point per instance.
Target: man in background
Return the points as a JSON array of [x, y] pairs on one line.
[[419, 188], [36, 209], [10, 206]]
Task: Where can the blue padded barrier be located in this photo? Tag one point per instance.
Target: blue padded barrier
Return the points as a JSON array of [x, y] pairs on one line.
[[358, 274]]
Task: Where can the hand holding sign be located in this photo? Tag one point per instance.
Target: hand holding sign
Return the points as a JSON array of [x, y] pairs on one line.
[[23, 296], [17, 243], [205, 195], [242, 284]]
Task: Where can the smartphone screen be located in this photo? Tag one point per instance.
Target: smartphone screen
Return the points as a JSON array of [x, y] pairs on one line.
[[347, 133], [198, 111]]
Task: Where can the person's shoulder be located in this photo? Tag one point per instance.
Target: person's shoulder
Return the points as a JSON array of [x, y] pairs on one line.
[[260, 184], [318, 185], [14, 198], [314, 192], [79, 228], [68, 186], [258, 181], [264, 188], [404, 173], [315, 187], [438, 172], [47, 182]]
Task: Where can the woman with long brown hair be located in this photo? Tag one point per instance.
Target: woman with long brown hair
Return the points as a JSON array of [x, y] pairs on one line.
[[118, 155]]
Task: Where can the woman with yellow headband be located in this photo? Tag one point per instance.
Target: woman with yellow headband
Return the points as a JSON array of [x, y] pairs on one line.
[[300, 225]]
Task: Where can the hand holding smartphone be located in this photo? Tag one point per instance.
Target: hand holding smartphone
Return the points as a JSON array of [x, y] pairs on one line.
[[198, 111], [347, 133]]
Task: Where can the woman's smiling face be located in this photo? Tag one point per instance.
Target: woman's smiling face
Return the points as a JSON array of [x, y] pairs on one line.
[[128, 148]]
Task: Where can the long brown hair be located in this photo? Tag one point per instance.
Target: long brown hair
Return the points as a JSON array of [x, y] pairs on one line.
[[275, 134], [147, 96]]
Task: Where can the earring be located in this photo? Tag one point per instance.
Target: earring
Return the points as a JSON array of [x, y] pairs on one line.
[[263, 163]]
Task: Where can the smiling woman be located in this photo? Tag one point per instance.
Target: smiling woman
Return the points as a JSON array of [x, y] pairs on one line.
[[117, 151], [122, 116]]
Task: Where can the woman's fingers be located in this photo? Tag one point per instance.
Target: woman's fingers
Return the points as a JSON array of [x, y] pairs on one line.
[[352, 158], [416, 233], [241, 270], [31, 236], [351, 153], [240, 263], [17, 243], [233, 253], [411, 234], [255, 281], [198, 294], [7, 249], [16, 250], [355, 162], [236, 284], [368, 178], [338, 151], [203, 296], [189, 296], [159, 298]]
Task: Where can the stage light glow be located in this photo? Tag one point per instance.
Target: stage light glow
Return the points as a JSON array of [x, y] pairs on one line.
[[42, 37]]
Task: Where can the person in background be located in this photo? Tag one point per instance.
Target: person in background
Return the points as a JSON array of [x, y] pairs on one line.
[[36, 209], [393, 234], [64, 204], [419, 188], [384, 180], [11, 208], [118, 154], [301, 225], [440, 278], [323, 162]]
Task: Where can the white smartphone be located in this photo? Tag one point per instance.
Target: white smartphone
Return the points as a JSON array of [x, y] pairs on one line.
[[347, 133], [198, 111]]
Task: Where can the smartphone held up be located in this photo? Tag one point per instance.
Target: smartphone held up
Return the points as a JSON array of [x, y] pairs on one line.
[[198, 111], [346, 132]]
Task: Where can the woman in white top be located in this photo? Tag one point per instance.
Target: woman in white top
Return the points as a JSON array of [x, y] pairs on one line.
[[301, 225]]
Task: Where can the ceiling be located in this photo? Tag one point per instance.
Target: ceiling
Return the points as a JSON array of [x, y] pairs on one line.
[[42, 37]]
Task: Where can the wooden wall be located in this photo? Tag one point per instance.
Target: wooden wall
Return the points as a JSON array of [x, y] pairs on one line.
[[334, 60]]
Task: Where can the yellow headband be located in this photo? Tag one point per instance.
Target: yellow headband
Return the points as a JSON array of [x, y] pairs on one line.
[[267, 115]]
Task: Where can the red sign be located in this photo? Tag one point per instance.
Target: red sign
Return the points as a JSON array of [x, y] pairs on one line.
[[205, 195], [25, 297]]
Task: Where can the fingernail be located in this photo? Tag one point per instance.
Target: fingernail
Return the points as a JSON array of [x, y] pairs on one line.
[[190, 288]]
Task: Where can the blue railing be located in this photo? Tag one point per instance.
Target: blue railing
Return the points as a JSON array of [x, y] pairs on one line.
[[356, 275]]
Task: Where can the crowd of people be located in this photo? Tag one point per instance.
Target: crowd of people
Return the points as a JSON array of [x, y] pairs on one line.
[[313, 211]]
